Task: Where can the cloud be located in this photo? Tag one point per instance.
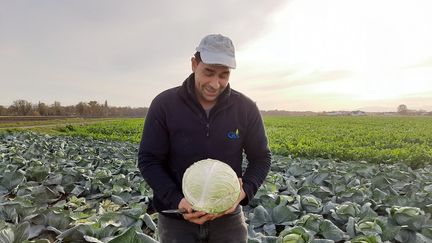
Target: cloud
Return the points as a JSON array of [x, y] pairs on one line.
[[140, 46], [288, 80], [124, 35]]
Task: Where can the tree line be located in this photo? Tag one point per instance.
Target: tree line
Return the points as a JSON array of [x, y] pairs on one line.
[[94, 109], [82, 109]]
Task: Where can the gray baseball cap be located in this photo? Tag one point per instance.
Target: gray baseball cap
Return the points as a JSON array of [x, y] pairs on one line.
[[217, 49]]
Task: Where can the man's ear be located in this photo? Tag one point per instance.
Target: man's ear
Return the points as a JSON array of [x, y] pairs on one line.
[[194, 64]]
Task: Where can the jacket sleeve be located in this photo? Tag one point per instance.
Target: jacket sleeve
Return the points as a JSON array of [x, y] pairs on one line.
[[153, 156], [257, 153]]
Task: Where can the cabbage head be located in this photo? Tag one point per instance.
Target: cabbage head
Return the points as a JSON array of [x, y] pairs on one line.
[[211, 186]]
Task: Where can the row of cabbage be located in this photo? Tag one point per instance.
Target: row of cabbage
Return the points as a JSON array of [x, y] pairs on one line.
[[64, 189], [328, 201], [71, 189]]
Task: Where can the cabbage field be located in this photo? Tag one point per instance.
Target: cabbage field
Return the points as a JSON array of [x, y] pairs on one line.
[[75, 188]]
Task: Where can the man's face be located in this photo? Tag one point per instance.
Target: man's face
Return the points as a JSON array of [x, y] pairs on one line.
[[210, 81]]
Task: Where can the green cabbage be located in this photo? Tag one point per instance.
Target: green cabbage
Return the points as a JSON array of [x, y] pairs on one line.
[[210, 186]]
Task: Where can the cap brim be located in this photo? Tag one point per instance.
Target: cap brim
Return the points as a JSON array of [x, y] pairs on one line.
[[218, 58]]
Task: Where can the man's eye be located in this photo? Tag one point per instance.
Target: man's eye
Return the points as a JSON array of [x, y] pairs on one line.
[[223, 76]]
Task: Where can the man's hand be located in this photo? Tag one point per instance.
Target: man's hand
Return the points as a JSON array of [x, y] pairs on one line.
[[197, 217]]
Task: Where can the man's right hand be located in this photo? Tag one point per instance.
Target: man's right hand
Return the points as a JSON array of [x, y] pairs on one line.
[[197, 217]]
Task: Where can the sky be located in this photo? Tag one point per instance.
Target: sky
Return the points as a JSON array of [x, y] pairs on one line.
[[298, 55]]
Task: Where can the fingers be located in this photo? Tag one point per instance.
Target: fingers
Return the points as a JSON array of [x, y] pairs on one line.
[[193, 215], [198, 217], [215, 216], [185, 205]]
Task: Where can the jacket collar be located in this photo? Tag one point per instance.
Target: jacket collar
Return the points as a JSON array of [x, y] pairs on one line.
[[187, 92]]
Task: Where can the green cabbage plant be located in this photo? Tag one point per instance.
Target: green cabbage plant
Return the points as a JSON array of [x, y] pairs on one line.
[[295, 235]]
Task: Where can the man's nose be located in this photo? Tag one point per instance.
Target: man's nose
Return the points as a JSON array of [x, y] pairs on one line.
[[215, 83]]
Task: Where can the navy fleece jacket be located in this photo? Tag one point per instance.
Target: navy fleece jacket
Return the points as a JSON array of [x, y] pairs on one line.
[[177, 133]]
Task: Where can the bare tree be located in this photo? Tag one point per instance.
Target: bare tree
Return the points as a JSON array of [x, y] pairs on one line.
[[21, 107], [105, 108], [402, 109], [42, 109], [81, 109], [92, 108], [95, 108], [3, 111], [56, 109]]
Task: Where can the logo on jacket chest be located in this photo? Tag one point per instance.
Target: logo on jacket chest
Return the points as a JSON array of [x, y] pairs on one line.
[[233, 134]]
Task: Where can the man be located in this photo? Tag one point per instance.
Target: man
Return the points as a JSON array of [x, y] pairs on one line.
[[203, 118]]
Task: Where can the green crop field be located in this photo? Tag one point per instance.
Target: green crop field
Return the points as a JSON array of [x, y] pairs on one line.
[[372, 139], [79, 183]]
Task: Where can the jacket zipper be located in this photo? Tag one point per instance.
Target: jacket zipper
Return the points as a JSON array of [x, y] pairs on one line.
[[209, 118]]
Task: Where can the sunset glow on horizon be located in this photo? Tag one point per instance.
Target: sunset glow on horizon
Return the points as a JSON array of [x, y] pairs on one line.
[[363, 50]]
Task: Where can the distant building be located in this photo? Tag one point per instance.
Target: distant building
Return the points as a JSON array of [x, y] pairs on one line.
[[358, 113], [344, 113], [334, 113]]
